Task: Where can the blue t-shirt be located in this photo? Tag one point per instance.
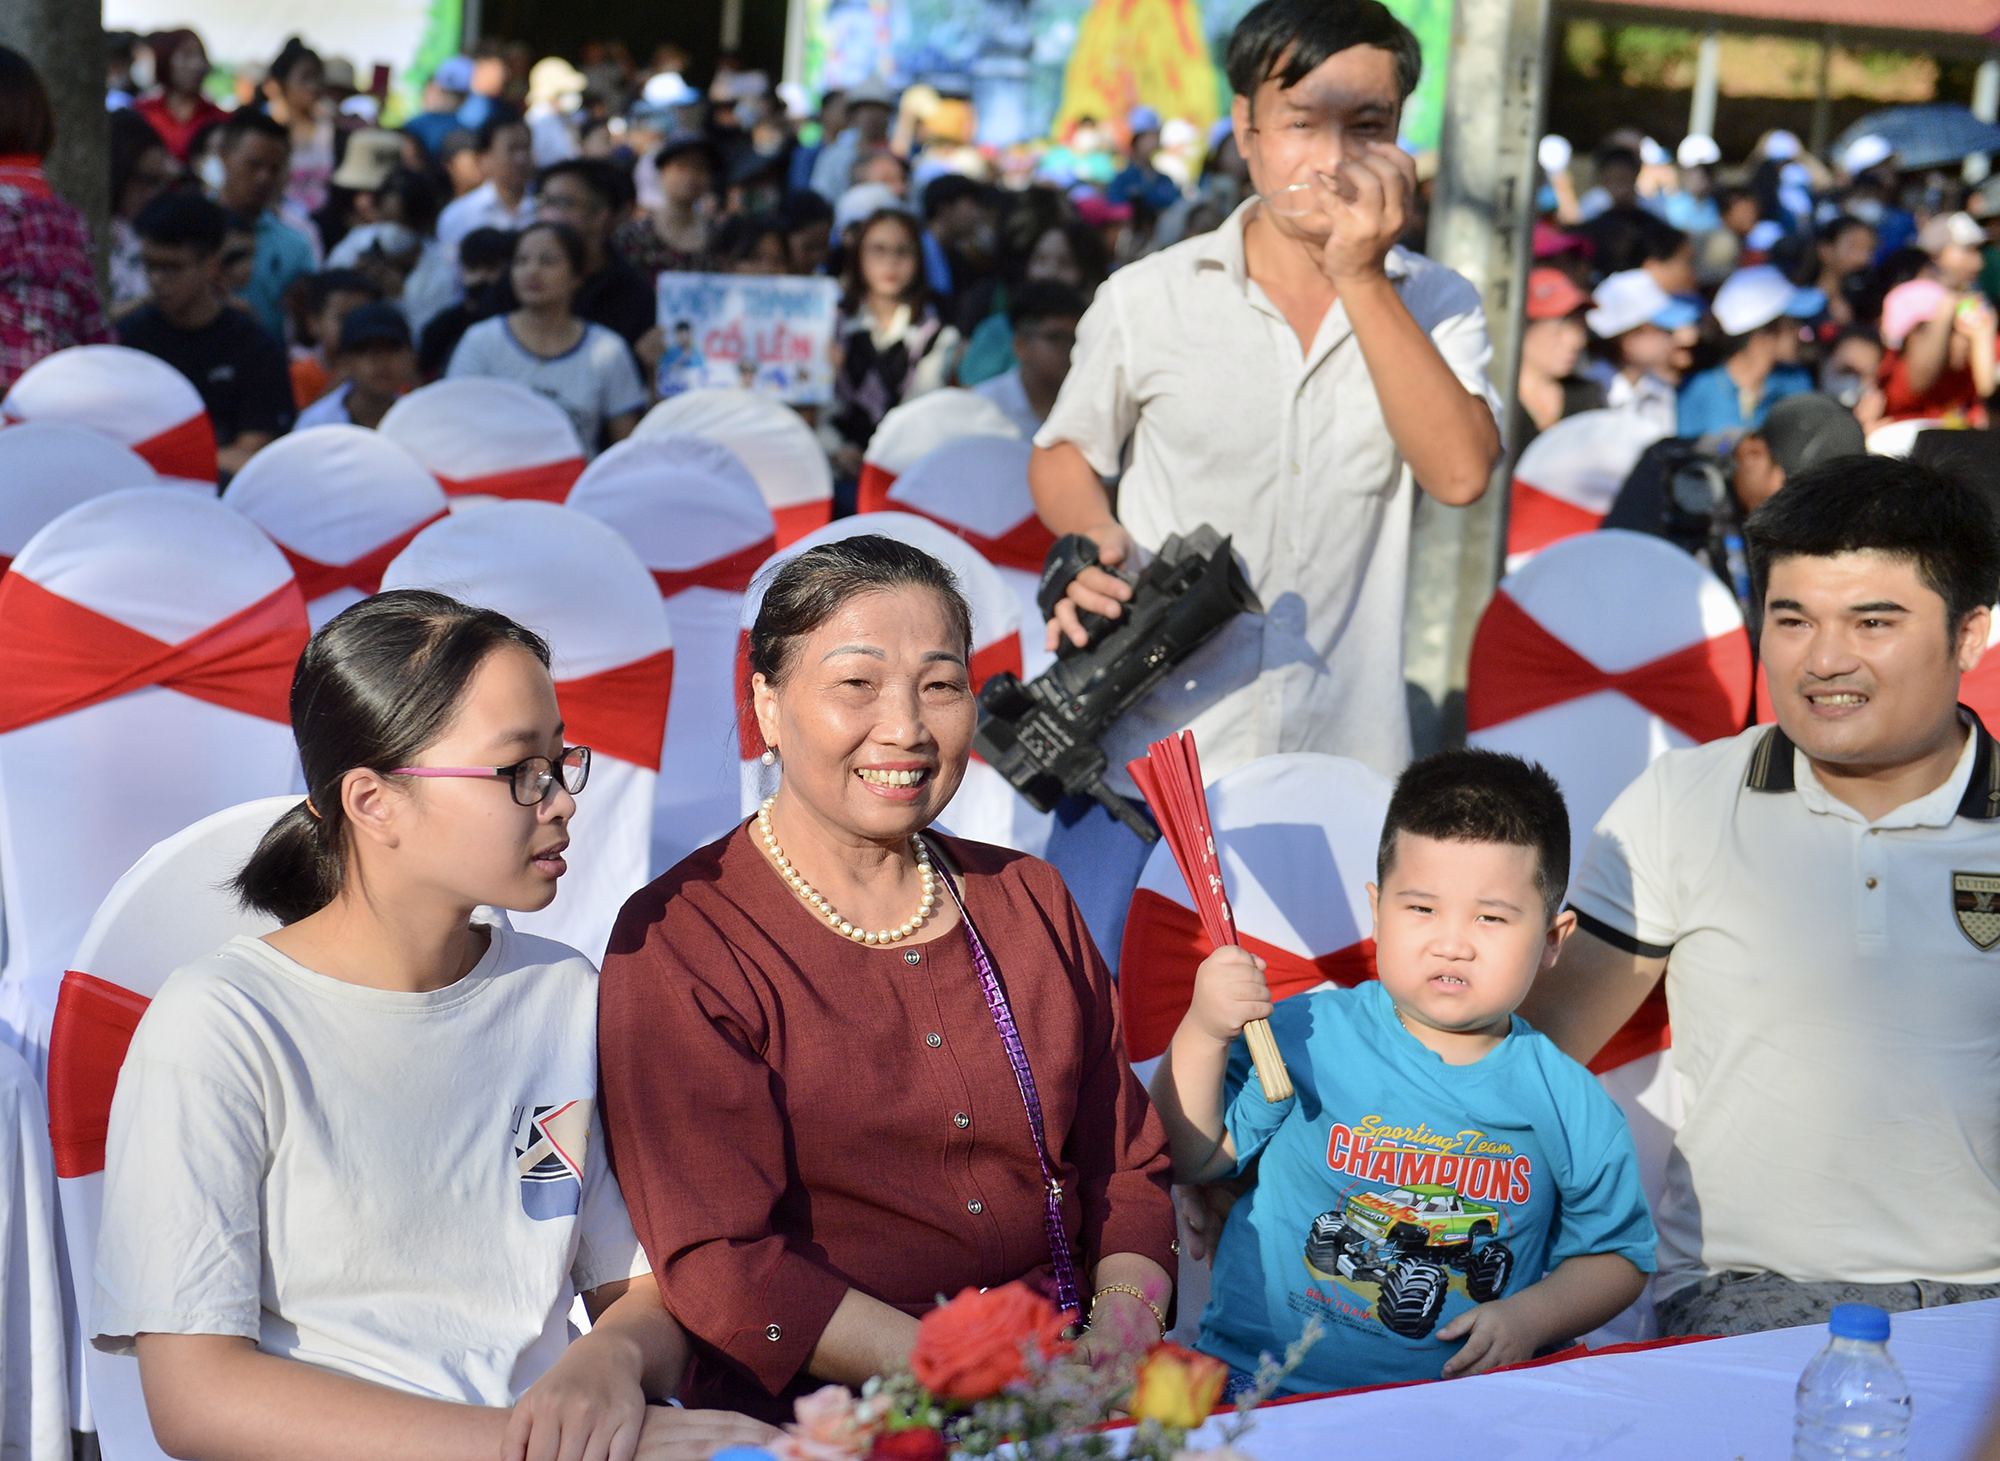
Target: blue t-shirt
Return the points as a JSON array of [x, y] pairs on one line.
[[1710, 401], [1395, 1191]]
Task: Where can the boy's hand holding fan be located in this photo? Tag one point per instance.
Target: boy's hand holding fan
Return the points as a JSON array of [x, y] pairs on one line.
[[1169, 775]]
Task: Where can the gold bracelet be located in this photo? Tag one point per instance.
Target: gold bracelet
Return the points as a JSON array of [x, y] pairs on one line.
[[1125, 1288]]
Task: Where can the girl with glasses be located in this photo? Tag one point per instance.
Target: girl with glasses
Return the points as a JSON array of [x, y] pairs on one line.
[[355, 1176]]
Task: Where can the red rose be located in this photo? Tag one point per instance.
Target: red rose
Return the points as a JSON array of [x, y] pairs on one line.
[[970, 1348], [919, 1443]]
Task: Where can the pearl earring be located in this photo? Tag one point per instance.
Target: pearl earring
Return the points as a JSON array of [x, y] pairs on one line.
[[770, 756]]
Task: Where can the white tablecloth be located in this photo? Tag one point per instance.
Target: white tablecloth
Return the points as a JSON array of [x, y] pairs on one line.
[[1723, 1400]]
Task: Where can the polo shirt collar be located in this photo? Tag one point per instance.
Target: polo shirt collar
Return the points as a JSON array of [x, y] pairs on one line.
[[1972, 790]]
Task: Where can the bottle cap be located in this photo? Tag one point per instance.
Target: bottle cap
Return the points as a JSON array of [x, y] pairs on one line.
[[1859, 1321]]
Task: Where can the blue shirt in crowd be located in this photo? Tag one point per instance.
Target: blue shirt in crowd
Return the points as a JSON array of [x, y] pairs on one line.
[[283, 254], [1395, 1191], [1710, 401]]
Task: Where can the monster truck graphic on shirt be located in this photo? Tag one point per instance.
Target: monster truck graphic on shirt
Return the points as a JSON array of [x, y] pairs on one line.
[[1404, 1240]]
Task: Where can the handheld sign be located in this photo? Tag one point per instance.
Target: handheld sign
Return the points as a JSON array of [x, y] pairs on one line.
[[765, 333]]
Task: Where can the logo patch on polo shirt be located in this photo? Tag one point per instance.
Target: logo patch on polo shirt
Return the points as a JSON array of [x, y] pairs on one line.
[[1975, 898]]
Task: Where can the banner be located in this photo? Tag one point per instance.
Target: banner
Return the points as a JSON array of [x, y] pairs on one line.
[[1032, 67], [769, 333]]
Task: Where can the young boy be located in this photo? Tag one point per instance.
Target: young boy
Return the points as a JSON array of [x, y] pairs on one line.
[[1446, 1192], [379, 364]]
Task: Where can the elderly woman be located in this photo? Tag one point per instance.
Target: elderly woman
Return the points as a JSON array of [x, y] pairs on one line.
[[849, 1064]]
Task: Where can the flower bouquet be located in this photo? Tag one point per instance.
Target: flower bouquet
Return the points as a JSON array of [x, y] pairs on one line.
[[992, 1370]]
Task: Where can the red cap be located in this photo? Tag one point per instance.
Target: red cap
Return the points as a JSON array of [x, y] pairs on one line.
[[1551, 295]]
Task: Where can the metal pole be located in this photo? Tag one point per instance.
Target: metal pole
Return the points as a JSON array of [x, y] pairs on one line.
[[1701, 113], [64, 41], [731, 39], [1822, 113], [1986, 107], [795, 43], [1481, 225], [472, 25]]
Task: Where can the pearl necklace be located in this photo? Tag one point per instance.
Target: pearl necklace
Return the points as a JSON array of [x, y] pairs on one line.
[[819, 905]]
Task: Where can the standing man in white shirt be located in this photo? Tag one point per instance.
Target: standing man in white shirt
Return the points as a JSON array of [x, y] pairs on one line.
[[1828, 889], [1275, 378], [507, 161]]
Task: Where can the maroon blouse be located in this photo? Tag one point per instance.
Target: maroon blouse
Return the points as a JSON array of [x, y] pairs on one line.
[[792, 1115]]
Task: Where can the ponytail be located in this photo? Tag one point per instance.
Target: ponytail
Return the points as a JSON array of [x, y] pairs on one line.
[[376, 688]]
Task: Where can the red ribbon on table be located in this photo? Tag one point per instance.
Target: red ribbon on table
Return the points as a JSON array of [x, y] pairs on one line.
[[56, 656], [1536, 519], [87, 1043], [1163, 944], [620, 712], [546, 482], [1519, 667], [731, 573], [317, 579], [186, 450]]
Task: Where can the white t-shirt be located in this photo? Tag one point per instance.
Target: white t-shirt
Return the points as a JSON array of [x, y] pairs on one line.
[[1188, 379], [409, 1188], [483, 207], [329, 410], [593, 380], [1834, 990], [1007, 392]]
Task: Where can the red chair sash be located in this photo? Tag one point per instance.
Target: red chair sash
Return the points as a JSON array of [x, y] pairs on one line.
[[620, 712], [1536, 519], [1519, 667], [795, 521], [186, 450], [317, 579], [93, 1029], [547, 482], [57, 656], [1646, 1033], [871, 493], [1164, 942], [1025, 545], [731, 574]]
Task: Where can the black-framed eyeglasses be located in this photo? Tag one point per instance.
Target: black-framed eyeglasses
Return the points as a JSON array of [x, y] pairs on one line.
[[533, 780]]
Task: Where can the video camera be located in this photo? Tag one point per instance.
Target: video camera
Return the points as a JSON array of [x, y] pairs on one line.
[[1043, 736], [1684, 490]]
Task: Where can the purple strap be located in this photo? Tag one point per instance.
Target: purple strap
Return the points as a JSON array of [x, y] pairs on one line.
[[1060, 1258]]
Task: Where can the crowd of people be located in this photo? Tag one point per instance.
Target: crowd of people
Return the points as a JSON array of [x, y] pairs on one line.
[[836, 1063]]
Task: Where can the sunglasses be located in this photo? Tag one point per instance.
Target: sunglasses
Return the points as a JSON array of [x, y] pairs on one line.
[[533, 781]]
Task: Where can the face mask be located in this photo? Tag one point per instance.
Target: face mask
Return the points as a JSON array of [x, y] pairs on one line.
[[212, 173], [1845, 387], [1868, 210]]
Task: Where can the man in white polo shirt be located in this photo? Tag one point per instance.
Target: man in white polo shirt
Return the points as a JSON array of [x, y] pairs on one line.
[[1275, 378], [1828, 890]]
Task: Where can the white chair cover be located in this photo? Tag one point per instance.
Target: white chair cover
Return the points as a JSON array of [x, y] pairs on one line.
[[770, 438], [1296, 834], [920, 426], [1600, 654], [574, 581], [94, 598], [35, 1411], [482, 437], [1568, 477], [692, 512], [46, 468], [985, 808], [340, 502], [171, 908], [976, 487], [136, 399]]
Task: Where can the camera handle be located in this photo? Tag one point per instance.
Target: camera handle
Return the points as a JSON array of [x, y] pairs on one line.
[[1072, 553]]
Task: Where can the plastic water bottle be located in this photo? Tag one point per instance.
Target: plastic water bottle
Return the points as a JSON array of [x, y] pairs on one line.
[[1854, 1404]]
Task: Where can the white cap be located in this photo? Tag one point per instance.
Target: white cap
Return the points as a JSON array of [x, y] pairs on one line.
[[1652, 154], [1632, 298], [1782, 146], [1554, 153], [1764, 235], [669, 89], [864, 200], [1751, 298], [1697, 149], [1866, 151], [1946, 229]]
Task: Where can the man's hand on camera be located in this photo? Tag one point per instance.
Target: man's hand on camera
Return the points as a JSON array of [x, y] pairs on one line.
[[1368, 199], [1093, 590]]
